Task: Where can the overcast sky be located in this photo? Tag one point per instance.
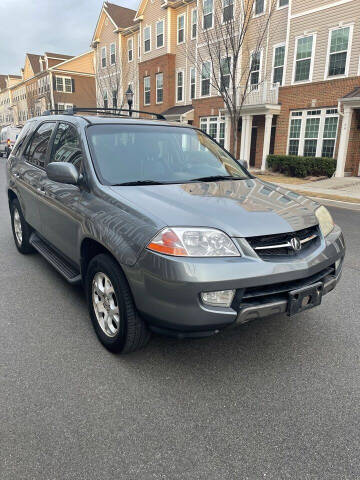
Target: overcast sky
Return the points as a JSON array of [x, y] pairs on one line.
[[38, 26]]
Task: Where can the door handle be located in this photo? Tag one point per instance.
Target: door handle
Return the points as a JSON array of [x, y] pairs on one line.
[[16, 175], [41, 191]]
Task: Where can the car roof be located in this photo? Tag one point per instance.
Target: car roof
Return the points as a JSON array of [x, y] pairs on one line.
[[107, 119]]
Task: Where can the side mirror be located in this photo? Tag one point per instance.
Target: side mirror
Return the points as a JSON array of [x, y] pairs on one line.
[[244, 164], [63, 172]]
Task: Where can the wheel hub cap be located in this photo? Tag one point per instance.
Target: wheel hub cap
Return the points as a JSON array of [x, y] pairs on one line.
[[105, 304], [17, 226]]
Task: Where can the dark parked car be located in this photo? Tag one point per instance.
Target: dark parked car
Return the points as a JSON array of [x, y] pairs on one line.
[[165, 230]]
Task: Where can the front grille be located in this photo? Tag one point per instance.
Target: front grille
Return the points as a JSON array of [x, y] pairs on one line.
[[278, 291], [268, 246]]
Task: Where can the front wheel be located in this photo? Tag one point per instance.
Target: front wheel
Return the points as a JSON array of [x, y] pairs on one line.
[[20, 228], [112, 310]]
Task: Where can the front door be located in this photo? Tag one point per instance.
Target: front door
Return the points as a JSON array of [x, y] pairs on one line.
[[61, 211], [253, 146]]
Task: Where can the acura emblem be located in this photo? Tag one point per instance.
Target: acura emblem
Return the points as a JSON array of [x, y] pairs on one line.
[[295, 244]]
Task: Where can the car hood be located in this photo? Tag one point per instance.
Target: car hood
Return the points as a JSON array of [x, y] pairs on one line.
[[241, 208]]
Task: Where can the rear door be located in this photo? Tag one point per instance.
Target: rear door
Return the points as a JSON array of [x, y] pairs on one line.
[[61, 212], [30, 172]]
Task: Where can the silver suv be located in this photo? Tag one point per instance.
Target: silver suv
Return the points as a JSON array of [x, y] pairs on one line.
[[166, 231]]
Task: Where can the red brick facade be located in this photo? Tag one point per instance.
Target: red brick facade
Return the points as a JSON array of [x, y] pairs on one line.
[[166, 65]]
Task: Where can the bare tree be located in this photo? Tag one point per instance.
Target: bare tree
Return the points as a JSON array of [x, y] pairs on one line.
[[228, 55]]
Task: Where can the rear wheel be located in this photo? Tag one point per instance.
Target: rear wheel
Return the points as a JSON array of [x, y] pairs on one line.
[[21, 229], [115, 319]]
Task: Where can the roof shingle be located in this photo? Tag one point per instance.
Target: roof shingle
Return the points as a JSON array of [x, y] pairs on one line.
[[122, 17]]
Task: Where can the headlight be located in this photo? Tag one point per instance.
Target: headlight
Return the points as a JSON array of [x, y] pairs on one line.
[[193, 242], [325, 220]]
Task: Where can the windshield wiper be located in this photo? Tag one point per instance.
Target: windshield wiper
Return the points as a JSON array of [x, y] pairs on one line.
[[214, 178], [138, 182]]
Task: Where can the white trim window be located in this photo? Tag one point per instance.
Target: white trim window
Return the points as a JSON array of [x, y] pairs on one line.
[[159, 87], [194, 20], [259, 7], [192, 83], [147, 91], [215, 127], [130, 47], [225, 73], [103, 57], [62, 106], [112, 54], [337, 63], [278, 64], [227, 10], [64, 84], [205, 78], [304, 54], [282, 4], [160, 34], [147, 39], [180, 86], [313, 133], [255, 69], [181, 28], [208, 14]]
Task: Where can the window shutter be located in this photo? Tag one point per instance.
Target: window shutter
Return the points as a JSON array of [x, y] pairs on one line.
[[73, 84], [54, 83]]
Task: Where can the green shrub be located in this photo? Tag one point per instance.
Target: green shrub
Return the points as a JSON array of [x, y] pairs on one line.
[[302, 166]]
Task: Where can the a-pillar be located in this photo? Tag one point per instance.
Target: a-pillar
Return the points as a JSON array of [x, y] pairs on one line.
[[344, 141], [267, 139]]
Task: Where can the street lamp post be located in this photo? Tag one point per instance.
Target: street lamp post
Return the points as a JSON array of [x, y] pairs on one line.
[[129, 97]]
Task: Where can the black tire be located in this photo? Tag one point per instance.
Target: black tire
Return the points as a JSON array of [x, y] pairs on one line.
[[24, 246], [133, 333]]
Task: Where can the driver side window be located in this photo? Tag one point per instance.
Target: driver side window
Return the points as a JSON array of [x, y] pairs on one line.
[[66, 147]]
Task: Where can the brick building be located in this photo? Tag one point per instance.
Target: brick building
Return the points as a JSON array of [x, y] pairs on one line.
[[305, 76]]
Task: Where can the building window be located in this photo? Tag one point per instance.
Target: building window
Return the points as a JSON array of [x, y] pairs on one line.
[[130, 45], [180, 86], [283, 3], [192, 82], [146, 90], [208, 9], [259, 7], [313, 133], [159, 87], [228, 10], [114, 98], [105, 99], [225, 69], [205, 79], [147, 39], [64, 84], [103, 57], [255, 70], [279, 59], [112, 54], [215, 127], [160, 34], [304, 53], [338, 52], [193, 23], [181, 28]]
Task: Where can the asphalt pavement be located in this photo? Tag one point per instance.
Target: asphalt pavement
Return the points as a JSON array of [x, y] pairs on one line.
[[274, 399]]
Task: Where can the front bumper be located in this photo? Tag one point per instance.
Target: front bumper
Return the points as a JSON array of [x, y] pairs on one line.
[[167, 289]]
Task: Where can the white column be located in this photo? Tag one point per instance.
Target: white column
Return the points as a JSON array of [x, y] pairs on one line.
[[248, 139], [344, 141], [267, 139], [228, 134], [243, 135]]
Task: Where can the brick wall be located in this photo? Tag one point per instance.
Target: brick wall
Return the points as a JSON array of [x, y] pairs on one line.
[[207, 107], [166, 65], [84, 94], [316, 95]]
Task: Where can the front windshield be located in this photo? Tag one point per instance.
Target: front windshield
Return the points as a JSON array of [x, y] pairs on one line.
[[157, 154]]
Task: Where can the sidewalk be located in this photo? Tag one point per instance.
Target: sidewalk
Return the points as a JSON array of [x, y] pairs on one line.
[[342, 189]]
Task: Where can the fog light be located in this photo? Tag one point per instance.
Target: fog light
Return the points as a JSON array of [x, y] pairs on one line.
[[221, 298]]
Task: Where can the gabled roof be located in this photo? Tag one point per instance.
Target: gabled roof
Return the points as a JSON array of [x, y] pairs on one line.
[[2, 81], [121, 16], [34, 62], [354, 94], [178, 110], [60, 56]]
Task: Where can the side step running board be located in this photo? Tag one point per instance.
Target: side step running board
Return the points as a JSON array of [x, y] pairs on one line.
[[57, 261]]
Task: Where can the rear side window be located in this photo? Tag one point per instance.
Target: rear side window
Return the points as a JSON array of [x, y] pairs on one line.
[[22, 137], [67, 147], [35, 152]]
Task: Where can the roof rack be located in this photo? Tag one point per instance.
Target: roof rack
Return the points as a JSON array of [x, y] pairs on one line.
[[113, 111]]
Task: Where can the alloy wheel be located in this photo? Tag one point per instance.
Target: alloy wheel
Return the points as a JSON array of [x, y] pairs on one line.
[[105, 304], [17, 226]]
